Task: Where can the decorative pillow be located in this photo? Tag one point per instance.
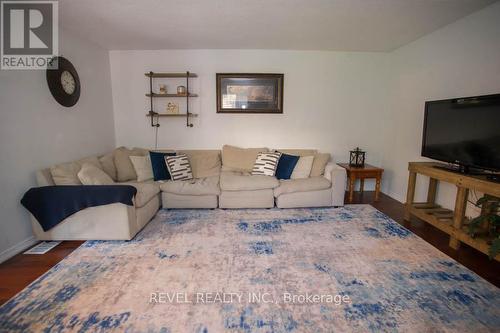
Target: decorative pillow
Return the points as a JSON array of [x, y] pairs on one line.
[[266, 163], [303, 167], [239, 159], [286, 164], [142, 167], [124, 168], [92, 175], [159, 166], [179, 167], [319, 164]]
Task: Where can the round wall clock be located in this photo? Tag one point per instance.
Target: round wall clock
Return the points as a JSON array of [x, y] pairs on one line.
[[64, 83]]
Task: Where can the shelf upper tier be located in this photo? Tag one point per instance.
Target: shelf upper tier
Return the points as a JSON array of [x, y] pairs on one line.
[[170, 95], [171, 75]]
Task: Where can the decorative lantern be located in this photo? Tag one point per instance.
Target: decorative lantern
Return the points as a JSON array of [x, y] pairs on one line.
[[357, 158]]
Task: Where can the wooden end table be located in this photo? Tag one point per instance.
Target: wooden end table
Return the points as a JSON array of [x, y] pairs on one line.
[[368, 171]]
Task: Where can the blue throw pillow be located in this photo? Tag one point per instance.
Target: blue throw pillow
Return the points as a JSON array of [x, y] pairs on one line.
[[286, 164], [160, 171]]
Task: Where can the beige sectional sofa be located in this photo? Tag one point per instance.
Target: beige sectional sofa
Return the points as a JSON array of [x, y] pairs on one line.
[[221, 179]]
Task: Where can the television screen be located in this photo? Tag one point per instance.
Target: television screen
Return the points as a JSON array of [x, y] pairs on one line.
[[464, 131]]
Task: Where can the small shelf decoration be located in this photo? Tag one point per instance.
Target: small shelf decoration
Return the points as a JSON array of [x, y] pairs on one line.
[[172, 109], [357, 158]]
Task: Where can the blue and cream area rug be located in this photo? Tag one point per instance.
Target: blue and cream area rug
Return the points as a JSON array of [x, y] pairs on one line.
[[351, 269]]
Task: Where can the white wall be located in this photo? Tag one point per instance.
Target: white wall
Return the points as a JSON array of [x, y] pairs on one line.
[[461, 59], [333, 101], [36, 132]]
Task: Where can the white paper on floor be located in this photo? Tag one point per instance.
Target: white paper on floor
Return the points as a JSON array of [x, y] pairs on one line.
[[42, 248]]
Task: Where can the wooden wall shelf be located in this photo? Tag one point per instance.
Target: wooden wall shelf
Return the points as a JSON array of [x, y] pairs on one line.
[[452, 222], [155, 115], [170, 75], [170, 95]]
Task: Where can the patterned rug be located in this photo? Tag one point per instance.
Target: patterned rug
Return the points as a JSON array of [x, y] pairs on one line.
[[292, 270]]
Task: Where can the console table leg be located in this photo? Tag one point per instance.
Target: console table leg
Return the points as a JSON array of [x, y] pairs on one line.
[[431, 193], [458, 216], [410, 194]]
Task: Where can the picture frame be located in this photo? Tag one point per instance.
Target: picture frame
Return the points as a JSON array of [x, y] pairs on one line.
[[249, 93]]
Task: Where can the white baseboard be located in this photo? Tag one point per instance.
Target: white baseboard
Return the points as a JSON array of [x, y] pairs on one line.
[[16, 249], [396, 197]]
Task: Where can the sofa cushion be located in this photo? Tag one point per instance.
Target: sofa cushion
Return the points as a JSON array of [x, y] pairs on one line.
[[302, 185], [239, 159], [145, 192], [242, 181], [124, 168], [67, 173], [204, 163], [108, 164], [303, 167], [89, 174], [286, 164], [198, 186], [319, 164]]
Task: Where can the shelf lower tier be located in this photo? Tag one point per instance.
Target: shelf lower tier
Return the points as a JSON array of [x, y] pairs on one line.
[[442, 219]]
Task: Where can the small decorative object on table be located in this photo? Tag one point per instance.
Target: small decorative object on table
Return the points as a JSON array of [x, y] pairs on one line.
[[362, 173], [172, 108], [181, 90], [163, 89], [357, 158]]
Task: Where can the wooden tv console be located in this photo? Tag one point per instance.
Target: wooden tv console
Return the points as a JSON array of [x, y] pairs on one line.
[[451, 222]]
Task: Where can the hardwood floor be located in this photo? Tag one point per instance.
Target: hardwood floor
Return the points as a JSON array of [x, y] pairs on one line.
[[19, 271]]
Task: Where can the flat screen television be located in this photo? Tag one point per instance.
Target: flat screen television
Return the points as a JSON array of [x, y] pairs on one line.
[[464, 131]]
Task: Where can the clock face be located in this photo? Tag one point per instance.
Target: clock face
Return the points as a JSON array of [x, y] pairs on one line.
[[63, 82], [68, 82]]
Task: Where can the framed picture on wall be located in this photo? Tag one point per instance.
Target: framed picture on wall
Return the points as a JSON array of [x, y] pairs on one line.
[[249, 93]]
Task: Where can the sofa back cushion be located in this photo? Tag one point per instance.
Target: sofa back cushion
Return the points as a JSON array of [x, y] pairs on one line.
[[124, 169], [239, 159], [299, 152], [204, 163], [67, 173]]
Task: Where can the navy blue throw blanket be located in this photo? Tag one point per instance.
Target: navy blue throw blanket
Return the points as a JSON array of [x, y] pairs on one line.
[[50, 205]]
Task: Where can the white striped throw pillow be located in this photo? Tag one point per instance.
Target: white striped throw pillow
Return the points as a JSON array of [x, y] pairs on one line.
[[179, 167], [266, 164]]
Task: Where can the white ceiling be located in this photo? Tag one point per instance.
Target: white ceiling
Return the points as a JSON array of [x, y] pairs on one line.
[[342, 25]]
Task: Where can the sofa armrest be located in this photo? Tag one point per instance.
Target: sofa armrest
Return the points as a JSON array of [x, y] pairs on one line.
[[338, 176]]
